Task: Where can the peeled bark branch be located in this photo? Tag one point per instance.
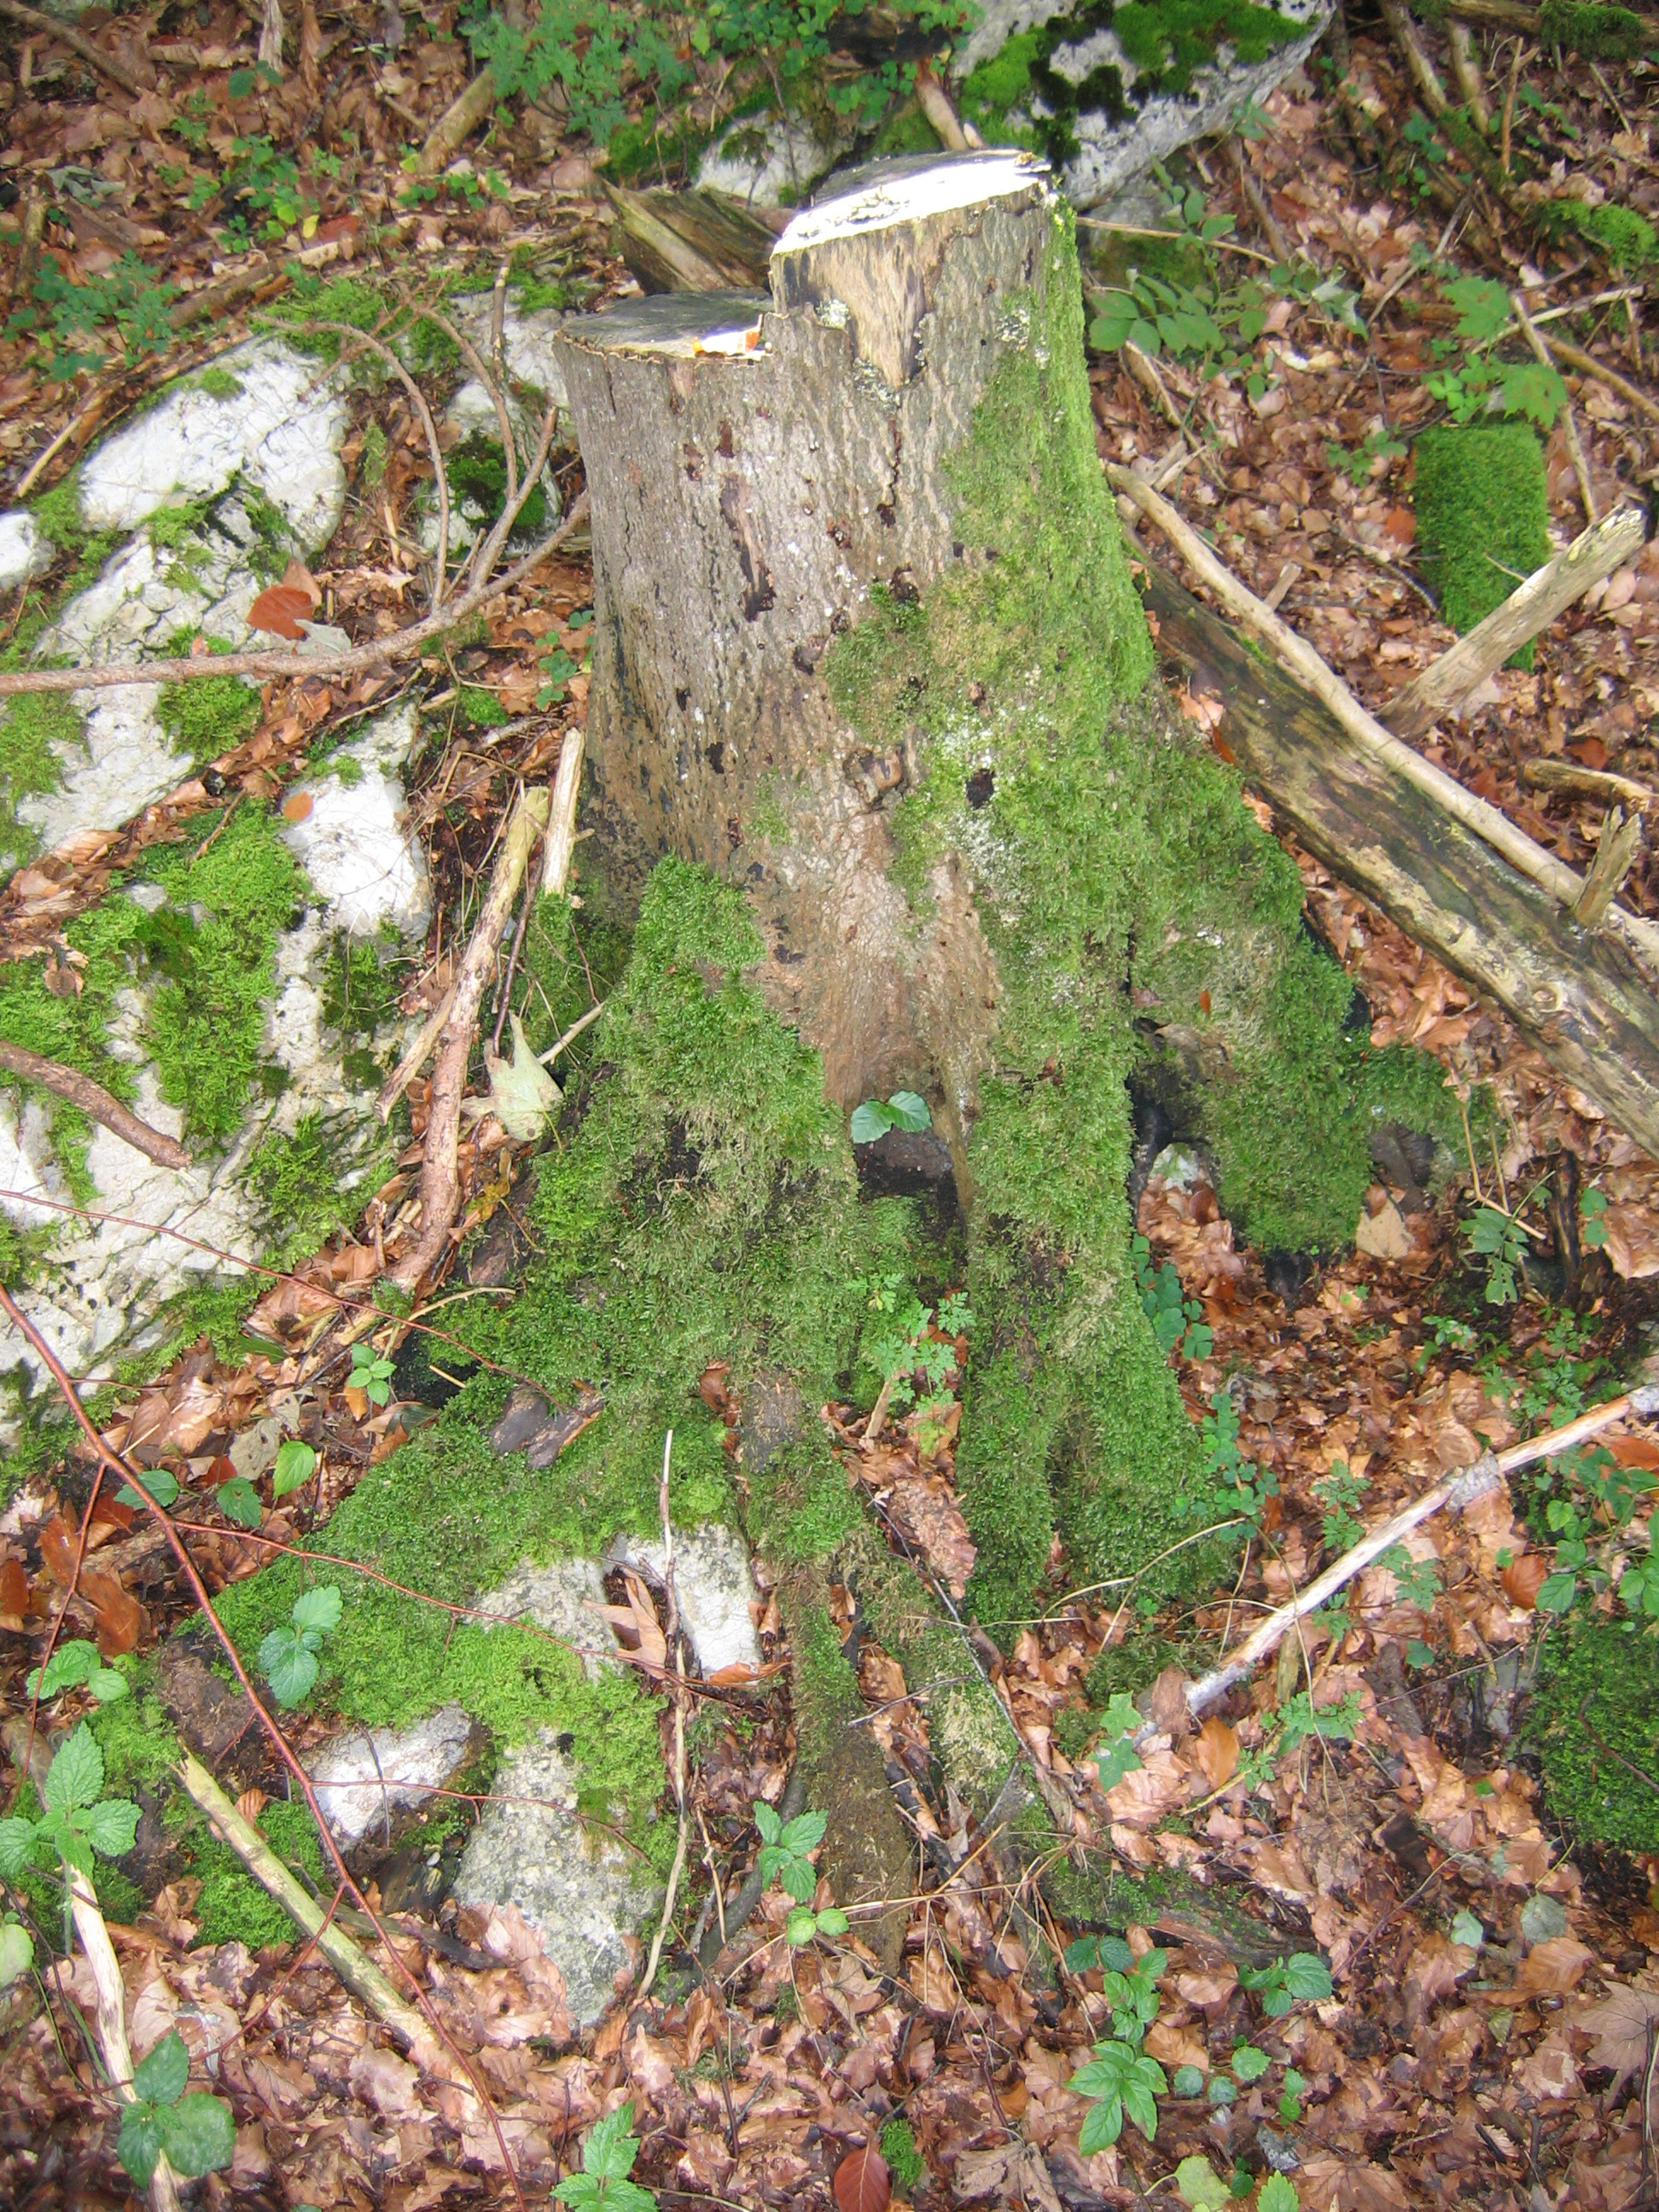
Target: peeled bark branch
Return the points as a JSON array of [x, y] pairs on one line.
[[1443, 686], [1487, 821], [457, 124], [112, 2017], [94, 1099]]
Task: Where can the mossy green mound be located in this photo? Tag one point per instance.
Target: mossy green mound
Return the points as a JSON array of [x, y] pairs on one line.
[[1597, 34], [1595, 1720], [1482, 517]]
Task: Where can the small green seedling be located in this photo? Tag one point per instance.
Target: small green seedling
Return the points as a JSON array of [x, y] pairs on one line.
[[195, 2134], [295, 1464], [1115, 1754], [74, 1823], [608, 2156], [288, 1657], [903, 1110], [1177, 1322], [804, 1926], [1592, 1220], [75, 1666], [1121, 2082], [1279, 1986], [371, 1373], [1497, 1238], [238, 1501], [784, 1849]]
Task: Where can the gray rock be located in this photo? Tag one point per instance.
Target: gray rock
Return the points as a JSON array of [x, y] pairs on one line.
[[713, 1586], [23, 551], [362, 1778], [355, 843], [559, 1597], [577, 1886], [769, 162]]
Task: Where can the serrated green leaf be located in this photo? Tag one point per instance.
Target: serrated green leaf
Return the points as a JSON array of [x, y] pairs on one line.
[[111, 1826], [317, 1608], [76, 1777], [17, 1952], [1249, 2063], [287, 1665], [198, 2135], [804, 1833], [1200, 2185], [1278, 2194], [138, 2147], [296, 1462], [1103, 2123], [67, 1838], [1115, 1955], [832, 1921], [1556, 1593], [238, 1501], [799, 1880], [162, 2075], [801, 1926], [18, 1840], [910, 1111], [767, 1821], [69, 1666], [107, 1686]]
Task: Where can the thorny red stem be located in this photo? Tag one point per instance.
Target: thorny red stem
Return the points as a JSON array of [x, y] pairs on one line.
[[284, 1750]]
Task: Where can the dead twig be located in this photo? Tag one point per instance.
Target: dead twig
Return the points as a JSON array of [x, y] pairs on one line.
[[1569, 420], [678, 1655], [440, 1170], [112, 2017], [1588, 365], [93, 1101]]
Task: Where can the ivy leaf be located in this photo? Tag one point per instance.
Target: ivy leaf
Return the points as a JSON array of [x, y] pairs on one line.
[[198, 2135], [111, 1825], [161, 2077], [238, 1501], [76, 1774], [296, 1462]]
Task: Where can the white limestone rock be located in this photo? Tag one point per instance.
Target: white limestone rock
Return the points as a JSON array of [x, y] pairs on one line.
[[355, 843], [559, 1597], [577, 1886], [281, 431], [364, 1777], [769, 162], [24, 552], [714, 1586]]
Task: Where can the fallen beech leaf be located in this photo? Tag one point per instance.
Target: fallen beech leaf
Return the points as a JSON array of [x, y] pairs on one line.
[[250, 1804], [1550, 1969], [862, 2182], [1620, 2024], [1634, 1451], [120, 1616], [14, 1594], [296, 577], [1217, 1752], [281, 608], [1523, 1578], [297, 805]]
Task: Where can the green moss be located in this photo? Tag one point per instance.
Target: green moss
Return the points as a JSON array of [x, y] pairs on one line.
[[1482, 517], [1595, 33], [476, 469], [1625, 238], [209, 715], [139, 1745], [1594, 1717], [1002, 86], [303, 1194], [35, 727], [904, 2161], [220, 383], [906, 131], [171, 529], [481, 708], [231, 1906]]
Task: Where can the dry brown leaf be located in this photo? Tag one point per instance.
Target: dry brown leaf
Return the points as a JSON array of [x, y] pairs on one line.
[[862, 2182], [1553, 1967], [1217, 1752], [934, 1520], [1620, 2025], [280, 609], [1523, 1578]]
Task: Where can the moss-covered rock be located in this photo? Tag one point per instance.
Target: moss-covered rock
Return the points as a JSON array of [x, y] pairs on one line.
[[1482, 517], [1595, 1720]]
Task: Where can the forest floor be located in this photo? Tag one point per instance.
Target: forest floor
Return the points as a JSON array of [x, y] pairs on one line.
[[1489, 2038]]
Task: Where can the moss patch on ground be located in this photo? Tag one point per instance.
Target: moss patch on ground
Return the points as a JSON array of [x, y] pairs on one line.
[[209, 715], [1595, 1721], [1140, 920], [1482, 517]]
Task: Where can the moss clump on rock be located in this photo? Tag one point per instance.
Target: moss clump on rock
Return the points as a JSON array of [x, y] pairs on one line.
[[209, 715], [31, 729], [1596, 1722], [1595, 33], [1482, 517], [1627, 238]]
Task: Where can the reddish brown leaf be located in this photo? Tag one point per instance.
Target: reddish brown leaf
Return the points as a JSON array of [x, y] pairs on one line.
[[1634, 1451], [281, 608], [1523, 1578], [58, 1550], [14, 1593], [862, 2182], [1217, 1752], [120, 1616]]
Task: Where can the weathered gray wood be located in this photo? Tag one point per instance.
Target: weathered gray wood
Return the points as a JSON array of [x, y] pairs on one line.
[[1579, 996], [1446, 683]]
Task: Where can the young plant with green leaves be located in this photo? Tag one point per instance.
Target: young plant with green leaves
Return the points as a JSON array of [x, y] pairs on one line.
[[785, 1857], [876, 1116], [1496, 1238], [165, 2118], [76, 1665], [609, 2151], [288, 1655], [1588, 1504], [1119, 2078], [1241, 1487], [1279, 1986], [913, 1348], [371, 1373], [1177, 1322], [76, 1820]]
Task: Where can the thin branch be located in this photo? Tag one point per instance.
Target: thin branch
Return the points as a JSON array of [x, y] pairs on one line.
[[1588, 365], [1569, 420], [65, 34], [398, 646], [94, 1101], [112, 2017]]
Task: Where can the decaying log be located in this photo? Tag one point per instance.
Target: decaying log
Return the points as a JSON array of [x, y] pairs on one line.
[[694, 241], [1582, 997], [1446, 683]]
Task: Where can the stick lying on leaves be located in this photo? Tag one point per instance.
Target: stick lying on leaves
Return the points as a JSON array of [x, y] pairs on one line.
[[112, 2018], [1460, 1489], [94, 1101]]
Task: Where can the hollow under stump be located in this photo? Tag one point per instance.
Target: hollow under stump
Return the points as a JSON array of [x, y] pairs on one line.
[[881, 781]]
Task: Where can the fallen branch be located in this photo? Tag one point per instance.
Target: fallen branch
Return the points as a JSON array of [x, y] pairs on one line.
[[398, 646], [65, 34], [359, 1973], [1460, 1489], [439, 1170], [1447, 681], [1585, 1001], [1569, 420], [935, 102], [1621, 834], [457, 125], [112, 2015], [416, 1058], [1588, 365], [1588, 783], [1487, 821], [561, 846], [1466, 68], [93, 1101]]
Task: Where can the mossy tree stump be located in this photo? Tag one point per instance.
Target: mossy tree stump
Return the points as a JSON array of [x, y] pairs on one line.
[[867, 648]]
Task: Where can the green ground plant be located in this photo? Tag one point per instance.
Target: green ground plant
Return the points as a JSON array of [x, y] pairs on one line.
[[1481, 516], [608, 2154], [195, 2132], [1177, 1322]]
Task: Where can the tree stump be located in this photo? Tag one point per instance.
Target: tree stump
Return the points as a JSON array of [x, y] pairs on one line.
[[868, 651]]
